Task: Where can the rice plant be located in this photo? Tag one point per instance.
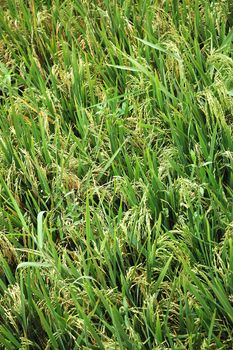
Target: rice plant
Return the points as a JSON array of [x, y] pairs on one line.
[[116, 182]]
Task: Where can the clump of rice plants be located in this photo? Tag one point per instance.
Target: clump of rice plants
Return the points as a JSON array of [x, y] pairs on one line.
[[116, 182]]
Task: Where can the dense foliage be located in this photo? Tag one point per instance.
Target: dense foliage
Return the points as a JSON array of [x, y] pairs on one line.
[[116, 182]]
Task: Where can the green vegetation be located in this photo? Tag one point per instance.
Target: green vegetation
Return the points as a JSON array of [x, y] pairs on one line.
[[116, 182]]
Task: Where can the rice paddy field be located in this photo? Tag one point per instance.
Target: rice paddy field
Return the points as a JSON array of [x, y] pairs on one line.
[[116, 181]]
